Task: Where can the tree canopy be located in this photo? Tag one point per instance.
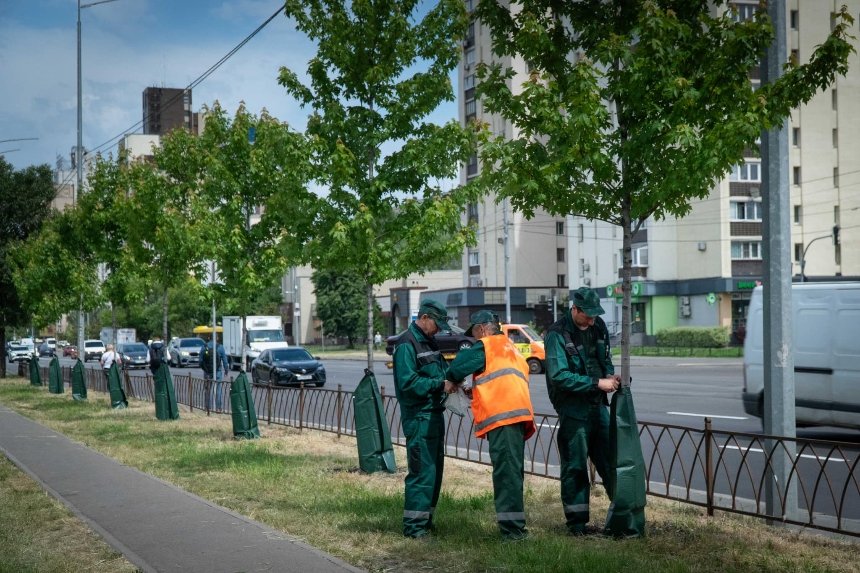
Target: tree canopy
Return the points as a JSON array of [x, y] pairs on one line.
[[633, 108], [379, 72]]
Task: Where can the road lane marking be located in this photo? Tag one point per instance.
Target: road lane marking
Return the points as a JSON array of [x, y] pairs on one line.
[[807, 456], [707, 416]]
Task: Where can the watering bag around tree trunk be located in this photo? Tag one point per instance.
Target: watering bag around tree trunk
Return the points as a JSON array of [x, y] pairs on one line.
[[375, 452], [626, 517], [55, 377], [35, 377], [118, 401], [165, 395], [79, 385], [244, 415]]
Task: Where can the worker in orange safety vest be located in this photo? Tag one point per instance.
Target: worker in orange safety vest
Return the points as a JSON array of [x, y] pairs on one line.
[[502, 411]]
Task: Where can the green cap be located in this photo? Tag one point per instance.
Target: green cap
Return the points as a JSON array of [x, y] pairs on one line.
[[587, 301], [437, 311], [481, 317]]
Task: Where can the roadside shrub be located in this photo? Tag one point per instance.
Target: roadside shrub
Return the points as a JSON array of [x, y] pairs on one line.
[[694, 337]]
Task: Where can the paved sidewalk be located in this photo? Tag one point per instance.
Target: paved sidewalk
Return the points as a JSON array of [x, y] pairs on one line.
[[157, 526]]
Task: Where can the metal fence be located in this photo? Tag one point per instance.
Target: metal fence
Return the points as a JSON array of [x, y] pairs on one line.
[[717, 470]]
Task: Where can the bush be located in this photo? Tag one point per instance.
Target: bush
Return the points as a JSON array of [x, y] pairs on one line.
[[694, 337]]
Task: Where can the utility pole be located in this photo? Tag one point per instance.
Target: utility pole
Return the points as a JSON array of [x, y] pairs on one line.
[[806, 248], [779, 393], [506, 240]]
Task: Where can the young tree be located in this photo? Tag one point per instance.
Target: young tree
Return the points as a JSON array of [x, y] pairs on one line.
[[163, 231], [340, 304], [25, 197], [379, 71], [634, 107], [252, 162]]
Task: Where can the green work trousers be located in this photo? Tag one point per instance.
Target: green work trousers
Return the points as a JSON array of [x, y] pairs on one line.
[[579, 440], [425, 447], [507, 450]]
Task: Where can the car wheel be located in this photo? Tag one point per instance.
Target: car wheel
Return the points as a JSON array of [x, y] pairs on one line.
[[464, 345], [535, 366]]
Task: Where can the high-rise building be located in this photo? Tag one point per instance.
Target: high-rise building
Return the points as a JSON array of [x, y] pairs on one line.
[[166, 109], [699, 270]]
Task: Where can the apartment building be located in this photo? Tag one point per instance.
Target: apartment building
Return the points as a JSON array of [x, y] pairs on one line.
[[166, 109], [699, 270]]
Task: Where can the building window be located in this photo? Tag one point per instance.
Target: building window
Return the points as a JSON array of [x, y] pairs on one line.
[[469, 82], [795, 174], [798, 210], [470, 58], [746, 250], [561, 281], [472, 213], [750, 171], [470, 5], [559, 255], [640, 255], [794, 18], [798, 251], [836, 176], [745, 211], [795, 136], [472, 165], [835, 137], [471, 108], [581, 233], [559, 227], [474, 258], [834, 100], [742, 12]]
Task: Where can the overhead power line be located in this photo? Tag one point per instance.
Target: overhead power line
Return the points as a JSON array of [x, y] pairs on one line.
[[193, 84]]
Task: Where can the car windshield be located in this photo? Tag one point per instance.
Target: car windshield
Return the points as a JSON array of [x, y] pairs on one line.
[[137, 347], [191, 342], [93, 344], [18, 347], [290, 355], [265, 336], [532, 334]]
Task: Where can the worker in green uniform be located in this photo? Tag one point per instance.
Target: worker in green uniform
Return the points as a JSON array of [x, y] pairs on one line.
[[502, 412], [579, 375], [419, 381]]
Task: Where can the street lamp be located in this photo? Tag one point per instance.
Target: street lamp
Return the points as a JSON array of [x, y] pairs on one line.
[[803, 255], [79, 149]]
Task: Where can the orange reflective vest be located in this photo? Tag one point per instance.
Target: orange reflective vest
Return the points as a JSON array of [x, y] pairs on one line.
[[500, 394]]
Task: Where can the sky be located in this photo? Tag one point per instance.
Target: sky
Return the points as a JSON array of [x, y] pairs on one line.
[[127, 46]]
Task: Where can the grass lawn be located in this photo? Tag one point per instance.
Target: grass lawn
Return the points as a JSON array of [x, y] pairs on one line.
[[307, 484]]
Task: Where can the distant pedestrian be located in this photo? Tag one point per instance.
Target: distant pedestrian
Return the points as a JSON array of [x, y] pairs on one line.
[[108, 358], [220, 358], [158, 355], [377, 340]]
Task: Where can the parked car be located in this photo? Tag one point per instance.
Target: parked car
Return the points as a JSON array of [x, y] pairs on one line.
[[133, 355], [287, 366], [62, 343], [46, 350], [449, 341], [70, 350], [93, 349], [185, 352], [52, 342], [17, 352]]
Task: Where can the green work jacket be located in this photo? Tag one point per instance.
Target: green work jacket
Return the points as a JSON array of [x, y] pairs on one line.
[[571, 378], [419, 374]]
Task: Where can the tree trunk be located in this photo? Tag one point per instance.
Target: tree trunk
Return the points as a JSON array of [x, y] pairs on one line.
[[369, 326], [626, 308], [3, 351], [164, 303]]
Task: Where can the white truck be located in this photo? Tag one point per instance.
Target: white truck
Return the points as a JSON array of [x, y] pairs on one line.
[[261, 333], [826, 324]]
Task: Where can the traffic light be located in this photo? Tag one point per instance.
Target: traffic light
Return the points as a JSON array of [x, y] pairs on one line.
[[835, 234]]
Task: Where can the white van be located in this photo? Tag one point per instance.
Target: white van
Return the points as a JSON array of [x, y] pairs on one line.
[[826, 324]]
